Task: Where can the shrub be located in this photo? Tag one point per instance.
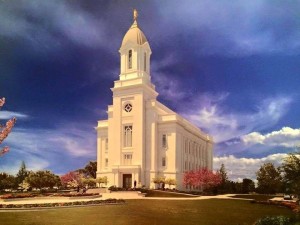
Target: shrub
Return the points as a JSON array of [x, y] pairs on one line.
[[275, 220], [23, 195], [92, 202]]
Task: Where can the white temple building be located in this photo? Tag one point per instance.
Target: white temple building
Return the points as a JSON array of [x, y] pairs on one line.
[[143, 139]]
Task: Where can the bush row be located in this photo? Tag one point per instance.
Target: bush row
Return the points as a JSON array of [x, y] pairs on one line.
[[41, 205], [31, 195], [294, 206]]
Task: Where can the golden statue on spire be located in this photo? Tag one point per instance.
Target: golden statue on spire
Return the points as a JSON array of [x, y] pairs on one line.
[[135, 14]]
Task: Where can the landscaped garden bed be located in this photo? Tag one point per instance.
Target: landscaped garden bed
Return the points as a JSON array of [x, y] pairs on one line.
[[32, 195], [294, 206], [63, 204]]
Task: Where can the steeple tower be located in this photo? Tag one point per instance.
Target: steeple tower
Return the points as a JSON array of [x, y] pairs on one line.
[[135, 53]]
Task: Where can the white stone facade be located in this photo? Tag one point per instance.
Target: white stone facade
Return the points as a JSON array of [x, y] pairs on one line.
[[143, 139]]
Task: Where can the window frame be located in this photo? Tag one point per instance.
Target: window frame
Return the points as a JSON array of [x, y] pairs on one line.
[[106, 144], [164, 141], [127, 159], [127, 135], [145, 61], [106, 162], [130, 59], [164, 161]]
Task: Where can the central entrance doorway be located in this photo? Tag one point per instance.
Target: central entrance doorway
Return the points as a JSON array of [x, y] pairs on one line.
[[127, 180]]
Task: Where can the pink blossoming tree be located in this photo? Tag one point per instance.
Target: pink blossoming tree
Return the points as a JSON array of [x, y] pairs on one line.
[[5, 130], [71, 179], [202, 179]]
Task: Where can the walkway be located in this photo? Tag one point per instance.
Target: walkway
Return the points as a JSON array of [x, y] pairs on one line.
[[116, 195]]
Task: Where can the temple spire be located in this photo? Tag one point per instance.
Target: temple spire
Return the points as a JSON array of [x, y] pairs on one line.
[[135, 15]]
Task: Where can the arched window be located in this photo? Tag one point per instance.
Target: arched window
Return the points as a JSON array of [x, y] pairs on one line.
[[145, 61], [128, 136], [130, 59]]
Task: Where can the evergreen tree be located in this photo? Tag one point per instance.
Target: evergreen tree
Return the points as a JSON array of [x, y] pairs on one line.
[[291, 172], [225, 186], [43, 179], [248, 186], [22, 173], [223, 174], [6, 181], [91, 169], [269, 179]]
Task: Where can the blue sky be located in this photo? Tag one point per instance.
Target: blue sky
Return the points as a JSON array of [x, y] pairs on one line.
[[230, 67]]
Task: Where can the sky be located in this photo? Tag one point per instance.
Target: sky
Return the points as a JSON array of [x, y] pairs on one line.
[[230, 67]]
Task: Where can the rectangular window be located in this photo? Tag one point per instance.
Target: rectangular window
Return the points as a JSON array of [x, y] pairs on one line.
[[163, 161], [127, 136], [185, 165], [145, 61], [106, 162], [106, 144], [127, 159], [164, 140], [130, 59]]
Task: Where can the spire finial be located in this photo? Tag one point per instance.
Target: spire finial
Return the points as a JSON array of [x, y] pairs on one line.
[[135, 14]]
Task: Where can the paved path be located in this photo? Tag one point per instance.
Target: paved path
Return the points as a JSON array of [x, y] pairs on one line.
[[116, 195]]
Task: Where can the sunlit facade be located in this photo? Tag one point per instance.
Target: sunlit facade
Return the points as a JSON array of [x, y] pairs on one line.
[[143, 139]]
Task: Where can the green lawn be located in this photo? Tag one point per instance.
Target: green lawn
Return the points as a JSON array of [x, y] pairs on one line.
[[256, 197], [166, 194], [144, 212]]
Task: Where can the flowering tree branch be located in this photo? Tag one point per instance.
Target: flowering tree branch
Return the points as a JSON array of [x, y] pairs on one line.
[[5, 129], [202, 178]]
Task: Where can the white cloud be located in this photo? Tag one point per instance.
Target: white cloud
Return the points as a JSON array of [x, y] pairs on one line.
[[239, 168], [259, 29], [4, 115], [224, 126], [168, 88], [75, 142], [41, 21], [32, 163], [47, 148], [286, 137]]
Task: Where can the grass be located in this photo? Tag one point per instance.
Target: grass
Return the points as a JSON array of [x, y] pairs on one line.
[[256, 197], [177, 212], [166, 194]]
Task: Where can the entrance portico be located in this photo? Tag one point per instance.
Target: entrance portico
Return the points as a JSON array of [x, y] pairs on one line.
[[124, 176]]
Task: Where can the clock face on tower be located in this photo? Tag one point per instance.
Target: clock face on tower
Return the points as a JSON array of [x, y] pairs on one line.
[[128, 107]]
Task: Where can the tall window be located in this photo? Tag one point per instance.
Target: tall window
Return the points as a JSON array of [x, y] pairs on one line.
[[145, 60], [164, 140], [163, 161], [106, 162], [127, 159], [130, 59], [106, 144], [127, 136]]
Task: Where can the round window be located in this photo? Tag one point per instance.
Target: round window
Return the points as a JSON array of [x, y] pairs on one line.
[[128, 107]]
